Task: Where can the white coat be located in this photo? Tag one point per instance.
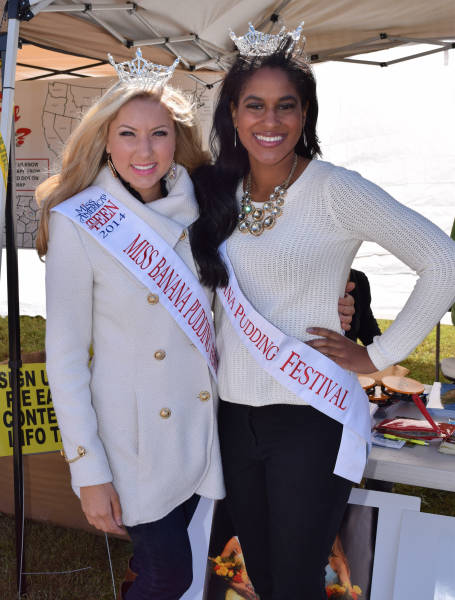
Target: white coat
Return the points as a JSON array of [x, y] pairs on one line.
[[138, 410]]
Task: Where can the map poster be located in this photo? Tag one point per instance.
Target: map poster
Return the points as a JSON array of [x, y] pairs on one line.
[[45, 114]]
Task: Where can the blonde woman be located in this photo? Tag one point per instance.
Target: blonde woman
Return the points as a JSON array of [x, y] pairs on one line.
[[138, 422]]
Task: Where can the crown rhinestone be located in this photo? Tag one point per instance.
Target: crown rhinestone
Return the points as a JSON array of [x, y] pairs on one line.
[[142, 72], [257, 43]]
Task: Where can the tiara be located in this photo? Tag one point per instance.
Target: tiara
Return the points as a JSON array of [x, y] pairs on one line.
[[142, 72], [256, 43]]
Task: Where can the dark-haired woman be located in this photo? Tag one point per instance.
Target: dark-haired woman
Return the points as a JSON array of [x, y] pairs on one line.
[[301, 223]]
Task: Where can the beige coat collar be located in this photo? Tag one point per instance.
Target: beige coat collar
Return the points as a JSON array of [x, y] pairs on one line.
[[167, 216]]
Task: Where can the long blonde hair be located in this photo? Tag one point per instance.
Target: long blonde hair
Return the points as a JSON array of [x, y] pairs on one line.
[[84, 153]]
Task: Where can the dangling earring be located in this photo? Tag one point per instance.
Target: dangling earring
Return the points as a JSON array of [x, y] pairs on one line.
[[235, 137], [172, 173], [110, 164]]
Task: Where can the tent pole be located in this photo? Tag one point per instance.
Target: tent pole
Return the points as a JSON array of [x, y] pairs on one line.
[[15, 364], [17, 10], [6, 117]]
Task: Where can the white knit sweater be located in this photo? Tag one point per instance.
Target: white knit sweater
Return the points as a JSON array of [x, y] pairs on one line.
[[294, 273]]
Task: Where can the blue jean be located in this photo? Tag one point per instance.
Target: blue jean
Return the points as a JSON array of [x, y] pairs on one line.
[[162, 555]]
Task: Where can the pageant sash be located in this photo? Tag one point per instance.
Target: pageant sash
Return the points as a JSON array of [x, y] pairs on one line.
[[150, 259], [307, 373]]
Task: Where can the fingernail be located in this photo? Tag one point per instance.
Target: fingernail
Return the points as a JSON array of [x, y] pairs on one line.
[[310, 330]]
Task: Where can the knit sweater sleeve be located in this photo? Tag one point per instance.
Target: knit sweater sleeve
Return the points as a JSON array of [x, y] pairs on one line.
[[69, 293], [366, 212]]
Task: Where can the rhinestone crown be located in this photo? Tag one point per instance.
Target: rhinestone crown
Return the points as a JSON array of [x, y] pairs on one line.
[[256, 43], [140, 71]]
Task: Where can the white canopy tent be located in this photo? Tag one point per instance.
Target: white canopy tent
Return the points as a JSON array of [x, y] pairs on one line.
[[197, 30]]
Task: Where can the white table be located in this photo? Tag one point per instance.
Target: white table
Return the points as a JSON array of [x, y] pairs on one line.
[[417, 465]]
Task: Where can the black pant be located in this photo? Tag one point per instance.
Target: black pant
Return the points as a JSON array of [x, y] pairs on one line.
[[285, 502], [162, 555]]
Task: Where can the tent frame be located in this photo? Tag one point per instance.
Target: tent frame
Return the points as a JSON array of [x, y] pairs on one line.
[[216, 58]]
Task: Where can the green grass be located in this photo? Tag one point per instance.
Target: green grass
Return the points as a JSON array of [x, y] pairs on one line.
[[421, 363], [52, 548], [32, 335]]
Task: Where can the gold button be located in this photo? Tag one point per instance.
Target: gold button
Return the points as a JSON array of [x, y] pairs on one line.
[[81, 451], [183, 235], [160, 354], [204, 396], [153, 299], [165, 413]]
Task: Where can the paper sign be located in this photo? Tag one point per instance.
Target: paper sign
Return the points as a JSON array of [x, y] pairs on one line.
[[40, 432]]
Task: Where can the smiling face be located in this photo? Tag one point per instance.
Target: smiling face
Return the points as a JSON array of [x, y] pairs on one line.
[[269, 116], [141, 142]]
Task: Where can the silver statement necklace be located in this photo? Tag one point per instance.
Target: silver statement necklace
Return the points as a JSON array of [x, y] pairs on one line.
[[256, 220]]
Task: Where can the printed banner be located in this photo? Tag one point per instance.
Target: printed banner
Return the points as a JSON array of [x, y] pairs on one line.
[[150, 259], [40, 432], [348, 572], [3, 161]]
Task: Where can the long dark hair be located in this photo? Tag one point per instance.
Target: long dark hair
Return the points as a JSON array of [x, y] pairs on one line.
[[216, 184]]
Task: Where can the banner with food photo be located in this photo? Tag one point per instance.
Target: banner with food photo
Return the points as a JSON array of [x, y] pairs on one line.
[[360, 566]]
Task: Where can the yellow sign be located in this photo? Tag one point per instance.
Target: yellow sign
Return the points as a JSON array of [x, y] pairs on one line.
[[40, 432], [3, 160]]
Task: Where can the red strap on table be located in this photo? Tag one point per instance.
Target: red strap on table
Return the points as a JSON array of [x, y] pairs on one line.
[[421, 406]]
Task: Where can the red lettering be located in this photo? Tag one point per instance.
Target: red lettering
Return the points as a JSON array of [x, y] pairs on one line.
[[240, 310], [193, 308], [340, 406], [294, 374], [131, 249], [337, 396], [184, 300], [329, 389], [161, 275], [318, 376], [290, 361], [179, 294], [195, 321], [229, 297], [149, 253], [307, 375], [274, 350], [168, 281], [322, 385], [157, 268], [250, 331], [258, 332]]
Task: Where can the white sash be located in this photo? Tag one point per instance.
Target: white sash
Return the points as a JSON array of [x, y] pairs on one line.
[[150, 259], [307, 373]]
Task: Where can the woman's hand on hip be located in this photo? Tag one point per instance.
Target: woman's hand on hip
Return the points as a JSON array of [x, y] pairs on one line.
[[342, 350], [346, 308], [101, 506]]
